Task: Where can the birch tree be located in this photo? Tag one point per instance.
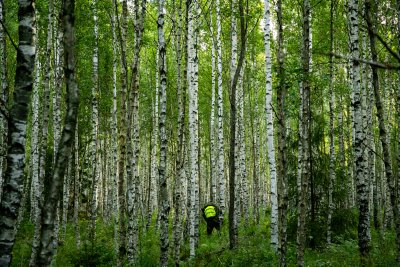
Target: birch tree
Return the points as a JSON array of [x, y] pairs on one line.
[[359, 139], [122, 138], [132, 169], [3, 96], [369, 10], [49, 212], [270, 127], [95, 159], [179, 180], [233, 235], [281, 169], [331, 132], [164, 204], [305, 136], [193, 13], [17, 121]]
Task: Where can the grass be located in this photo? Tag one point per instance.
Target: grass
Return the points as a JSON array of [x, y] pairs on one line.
[[253, 249]]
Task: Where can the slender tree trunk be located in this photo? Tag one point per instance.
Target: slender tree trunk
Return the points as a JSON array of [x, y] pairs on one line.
[[270, 127], [35, 145], [381, 123], [221, 162], [132, 170], [359, 140], [49, 212], [331, 133], [17, 121], [122, 139], [76, 189], [3, 97], [164, 208], [95, 155], [213, 151], [281, 168], [155, 144], [398, 124], [193, 65], [305, 134], [65, 198], [178, 187], [233, 234], [114, 130]]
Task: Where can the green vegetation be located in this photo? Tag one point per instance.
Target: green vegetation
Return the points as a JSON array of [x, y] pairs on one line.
[[253, 250]]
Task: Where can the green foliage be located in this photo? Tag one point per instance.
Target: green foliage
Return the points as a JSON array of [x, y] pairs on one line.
[[253, 250]]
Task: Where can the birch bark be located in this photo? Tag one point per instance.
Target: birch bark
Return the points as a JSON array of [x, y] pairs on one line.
[[178, 194], [3, 97], [281, 166], [305, 136], [164, 208], [76, 189], [122, 138], [95, 159], [193, 13], [114, 128], [221, 161], [270, 127], [382, 128], [331, 132], [49, 212], [359, 139]]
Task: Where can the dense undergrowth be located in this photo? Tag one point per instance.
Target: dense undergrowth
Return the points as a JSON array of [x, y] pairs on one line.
[[253, 250]]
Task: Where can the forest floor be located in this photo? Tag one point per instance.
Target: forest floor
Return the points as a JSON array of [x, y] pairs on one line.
[[253, 249]]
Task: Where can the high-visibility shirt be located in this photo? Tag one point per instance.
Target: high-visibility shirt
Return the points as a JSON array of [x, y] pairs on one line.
[[210, 211]]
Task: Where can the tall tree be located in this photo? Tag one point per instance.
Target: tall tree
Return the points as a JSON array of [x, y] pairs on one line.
[[370, 8], [179, 180], [49, 212], [359, 138], [281, 169], [95, 155], [132, 143], [220, 138], [270, 127], [331, 130], [192, 77], [233, 238], [3, 95], [305, 135], [17, 121], [122, 136]]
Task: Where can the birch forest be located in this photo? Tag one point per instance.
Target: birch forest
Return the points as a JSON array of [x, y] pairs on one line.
[[120, 120]]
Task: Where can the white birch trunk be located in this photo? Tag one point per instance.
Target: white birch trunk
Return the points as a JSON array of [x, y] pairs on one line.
[[35, 146], [3, 96], [331, 133], [270, 127], [220, 139], [95, 127], [179, 184], [76, 189], [164, 208], [192, 78], [44, 130], [65, 199], [213, 151], [359, 138], [155, 145], [114, 129]]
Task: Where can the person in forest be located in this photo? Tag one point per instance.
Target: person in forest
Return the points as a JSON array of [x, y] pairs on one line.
[[211, 216]]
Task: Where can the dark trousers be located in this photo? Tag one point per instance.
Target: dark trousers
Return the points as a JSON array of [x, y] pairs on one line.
[[212, 222]]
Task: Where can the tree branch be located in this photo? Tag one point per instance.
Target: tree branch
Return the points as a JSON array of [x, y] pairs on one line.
[[9, 36], [380, 65]]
